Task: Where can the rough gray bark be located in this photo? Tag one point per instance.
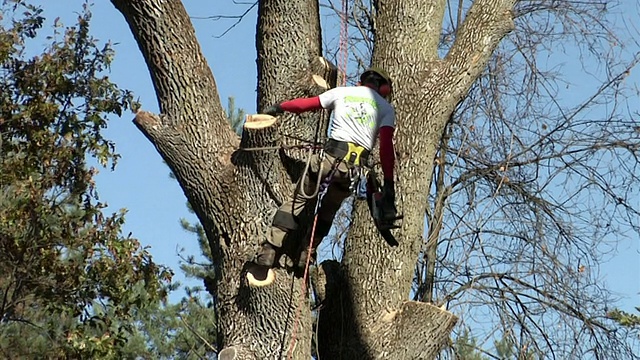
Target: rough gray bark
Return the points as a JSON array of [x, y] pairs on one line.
[[235, 192]]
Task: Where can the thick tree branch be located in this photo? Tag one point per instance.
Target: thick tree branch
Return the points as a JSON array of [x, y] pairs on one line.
[[233, 192], [237, 353], [431, 87], [261, 142], [269, 314], [192, 133], [486, 23], [288, 46], [420, 330], [154, 127], [326, 70], [185, 87]]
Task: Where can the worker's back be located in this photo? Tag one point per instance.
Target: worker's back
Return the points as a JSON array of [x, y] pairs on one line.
[[358, 114]]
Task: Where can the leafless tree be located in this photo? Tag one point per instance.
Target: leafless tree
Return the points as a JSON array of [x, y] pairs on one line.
[[537, 183]]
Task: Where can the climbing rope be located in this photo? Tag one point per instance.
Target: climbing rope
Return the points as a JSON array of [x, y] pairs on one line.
[[310, 148], [308, 144], [284, 147]]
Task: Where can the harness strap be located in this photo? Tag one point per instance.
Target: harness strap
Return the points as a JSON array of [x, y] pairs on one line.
[[324, 185], [351, 153]]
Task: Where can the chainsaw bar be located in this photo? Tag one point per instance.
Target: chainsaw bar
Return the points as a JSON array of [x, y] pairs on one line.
[[374, 195]]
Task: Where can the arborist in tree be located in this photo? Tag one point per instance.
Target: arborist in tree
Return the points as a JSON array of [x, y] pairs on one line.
[[360, 115]]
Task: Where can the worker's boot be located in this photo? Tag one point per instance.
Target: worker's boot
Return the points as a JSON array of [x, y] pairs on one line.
[[266, 256]]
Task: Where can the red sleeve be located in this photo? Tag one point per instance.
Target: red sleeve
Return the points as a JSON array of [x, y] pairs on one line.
[[387, 153], [301, 105]]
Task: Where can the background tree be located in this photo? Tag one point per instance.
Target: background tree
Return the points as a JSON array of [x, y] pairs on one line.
[[234, 193], [71, 283], [625, 318], [236, 116], [535, 190]]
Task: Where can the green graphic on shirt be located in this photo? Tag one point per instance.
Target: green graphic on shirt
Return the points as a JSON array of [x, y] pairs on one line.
[[360, 115], [358, 111], [359, 99]]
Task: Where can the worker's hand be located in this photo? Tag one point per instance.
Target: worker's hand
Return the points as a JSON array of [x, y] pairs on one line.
[[273, 110], [389, 198]]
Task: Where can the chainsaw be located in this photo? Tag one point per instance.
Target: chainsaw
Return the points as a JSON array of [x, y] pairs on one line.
[[384, 217]]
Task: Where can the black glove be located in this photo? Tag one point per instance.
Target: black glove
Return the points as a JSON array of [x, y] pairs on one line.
[[389, 190], [389, 200], [273, 110]]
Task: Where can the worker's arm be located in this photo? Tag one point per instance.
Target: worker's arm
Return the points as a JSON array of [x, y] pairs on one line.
[[297, 106], [387, 160], [387, 152], [325, 100], [301, 105]]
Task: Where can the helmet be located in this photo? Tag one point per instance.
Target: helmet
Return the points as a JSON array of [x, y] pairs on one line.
[[385, 87], [378, 71]]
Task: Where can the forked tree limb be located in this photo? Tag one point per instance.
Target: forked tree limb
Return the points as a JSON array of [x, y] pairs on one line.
[[414, 330], [431, 87], [472, 48], [237, 353], [233, 192], [270, 313], [184, 84], [154, 127], [259, 149], [259, 122]]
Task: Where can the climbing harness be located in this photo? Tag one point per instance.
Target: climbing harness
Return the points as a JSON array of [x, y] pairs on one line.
[[354, 155]]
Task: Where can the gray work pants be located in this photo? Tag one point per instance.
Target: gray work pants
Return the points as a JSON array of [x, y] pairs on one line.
[[285, 220]]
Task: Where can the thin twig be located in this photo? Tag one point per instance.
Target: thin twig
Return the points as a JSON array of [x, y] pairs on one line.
[[194, 332]]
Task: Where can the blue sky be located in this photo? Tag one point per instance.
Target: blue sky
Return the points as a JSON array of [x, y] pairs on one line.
[[141, 182]]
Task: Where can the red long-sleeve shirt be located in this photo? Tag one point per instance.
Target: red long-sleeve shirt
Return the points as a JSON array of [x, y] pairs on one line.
[[301, 105]]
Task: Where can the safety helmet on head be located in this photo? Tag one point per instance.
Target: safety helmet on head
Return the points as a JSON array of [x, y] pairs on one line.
[[381, 77]]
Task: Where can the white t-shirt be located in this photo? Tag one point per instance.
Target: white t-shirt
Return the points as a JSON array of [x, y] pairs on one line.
[[358, 113]]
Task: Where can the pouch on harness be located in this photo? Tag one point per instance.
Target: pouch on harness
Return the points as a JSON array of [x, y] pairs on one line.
[[352, 154]]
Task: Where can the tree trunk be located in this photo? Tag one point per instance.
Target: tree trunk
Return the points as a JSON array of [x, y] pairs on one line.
[[426, 91], [235, 191]]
